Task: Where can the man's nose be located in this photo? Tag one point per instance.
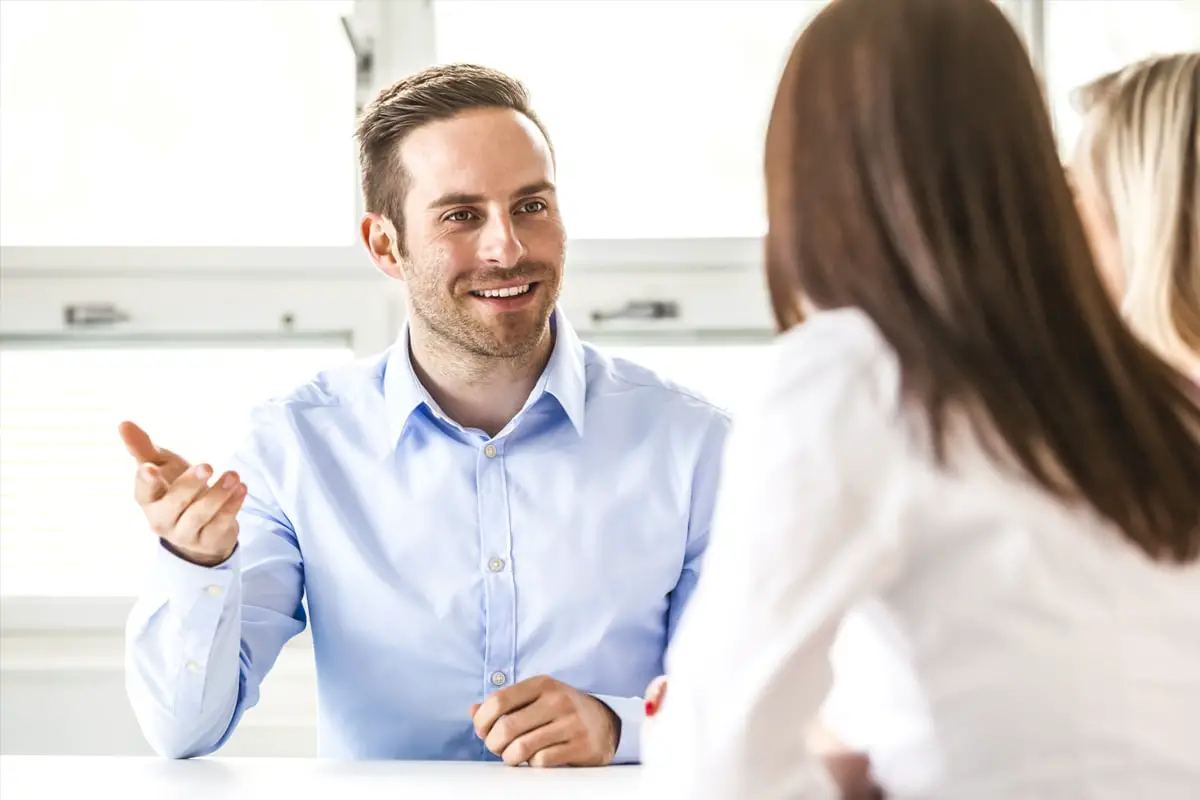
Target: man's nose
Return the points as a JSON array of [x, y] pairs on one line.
[[500, 244]]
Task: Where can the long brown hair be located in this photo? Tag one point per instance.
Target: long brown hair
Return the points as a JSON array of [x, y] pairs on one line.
[[912, 173]]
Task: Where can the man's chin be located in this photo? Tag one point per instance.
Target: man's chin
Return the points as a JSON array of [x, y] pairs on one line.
[[510, 340]]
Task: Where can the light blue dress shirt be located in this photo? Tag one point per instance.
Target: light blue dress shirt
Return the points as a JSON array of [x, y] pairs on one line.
[[436, 564]]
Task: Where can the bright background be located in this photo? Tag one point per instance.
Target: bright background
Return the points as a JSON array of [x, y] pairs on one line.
[[184, 172]]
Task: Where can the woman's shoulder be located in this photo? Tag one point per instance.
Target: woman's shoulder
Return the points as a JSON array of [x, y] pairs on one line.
[[834, 359]]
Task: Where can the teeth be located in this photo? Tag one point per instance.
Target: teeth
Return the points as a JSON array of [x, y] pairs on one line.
[[512, 291]]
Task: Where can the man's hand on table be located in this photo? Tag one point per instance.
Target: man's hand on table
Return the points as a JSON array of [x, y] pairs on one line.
[[547, 723]]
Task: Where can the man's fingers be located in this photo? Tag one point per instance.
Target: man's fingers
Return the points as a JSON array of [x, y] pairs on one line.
[[207, 505], [506, 701], [517, 723], [528, 745], [556, 755], [221, 532], [149, 485], [172, 466], [165, 512]]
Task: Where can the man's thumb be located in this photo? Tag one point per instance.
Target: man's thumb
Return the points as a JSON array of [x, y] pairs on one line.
[[138, 443]]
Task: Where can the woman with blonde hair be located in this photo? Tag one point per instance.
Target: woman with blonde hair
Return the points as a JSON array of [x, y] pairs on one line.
[[1136, 170], [959, 444]]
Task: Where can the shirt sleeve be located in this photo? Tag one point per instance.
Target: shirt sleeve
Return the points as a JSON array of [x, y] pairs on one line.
[[705, 485], [200, 640], [803, 531], [632, 710]]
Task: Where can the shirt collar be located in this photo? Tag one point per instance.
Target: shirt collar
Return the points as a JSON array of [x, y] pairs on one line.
[[566, 372], [564, 379]]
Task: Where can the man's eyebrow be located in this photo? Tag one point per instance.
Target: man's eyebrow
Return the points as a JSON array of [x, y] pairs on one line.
[[535, 188], [456, 199], [465, 199]]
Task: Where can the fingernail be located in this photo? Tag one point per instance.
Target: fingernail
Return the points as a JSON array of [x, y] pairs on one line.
[[147, 472], [229, 481], [203, 471], [651, 708]]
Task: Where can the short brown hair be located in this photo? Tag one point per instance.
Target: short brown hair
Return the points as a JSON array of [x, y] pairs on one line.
[[435, 93], [912, 172]]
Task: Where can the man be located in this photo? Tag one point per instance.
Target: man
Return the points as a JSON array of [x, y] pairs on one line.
[[495, 527]]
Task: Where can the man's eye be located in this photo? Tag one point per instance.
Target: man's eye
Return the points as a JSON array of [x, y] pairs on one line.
[[533, 207], [458, 216]]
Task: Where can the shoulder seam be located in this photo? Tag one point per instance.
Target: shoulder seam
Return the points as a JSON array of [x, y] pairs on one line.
[[675, 390]]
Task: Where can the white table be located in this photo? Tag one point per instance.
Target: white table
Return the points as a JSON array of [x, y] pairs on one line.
[[47, 777]]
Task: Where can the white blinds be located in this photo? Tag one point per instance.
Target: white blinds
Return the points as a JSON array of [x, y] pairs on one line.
[[68, 523]]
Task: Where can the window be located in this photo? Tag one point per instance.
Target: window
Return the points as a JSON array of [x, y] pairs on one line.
[[68, 523], [1084, 40], [657, 109], [724, 373], [188, 122]]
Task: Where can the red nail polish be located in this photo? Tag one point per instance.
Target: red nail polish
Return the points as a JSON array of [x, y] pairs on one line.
[[651, 708]]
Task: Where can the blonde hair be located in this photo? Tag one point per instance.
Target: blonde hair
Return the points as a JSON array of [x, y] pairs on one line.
[[1145, 155]]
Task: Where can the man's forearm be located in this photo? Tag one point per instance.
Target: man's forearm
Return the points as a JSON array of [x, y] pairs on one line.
[[182, 656]]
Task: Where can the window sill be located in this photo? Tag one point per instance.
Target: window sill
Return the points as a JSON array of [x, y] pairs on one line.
[[45, 614]]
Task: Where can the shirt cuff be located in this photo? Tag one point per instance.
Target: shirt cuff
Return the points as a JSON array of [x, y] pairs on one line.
[[191, 588], [197, 599], [631, 711]]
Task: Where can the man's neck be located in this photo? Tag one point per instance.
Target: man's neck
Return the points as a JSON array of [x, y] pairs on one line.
[[476, 391]]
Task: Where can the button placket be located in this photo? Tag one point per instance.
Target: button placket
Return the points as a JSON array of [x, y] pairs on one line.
[[499, 656]]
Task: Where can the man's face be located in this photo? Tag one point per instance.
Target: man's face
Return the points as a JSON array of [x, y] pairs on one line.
[[483, 239]]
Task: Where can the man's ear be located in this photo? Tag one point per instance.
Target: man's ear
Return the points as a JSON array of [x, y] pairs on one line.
[[382, 241]]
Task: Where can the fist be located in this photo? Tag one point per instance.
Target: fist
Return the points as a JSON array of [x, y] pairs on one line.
[[546, 723], [195, 519]]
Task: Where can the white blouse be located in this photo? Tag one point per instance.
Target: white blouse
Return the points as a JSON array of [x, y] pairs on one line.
[[988, 641]]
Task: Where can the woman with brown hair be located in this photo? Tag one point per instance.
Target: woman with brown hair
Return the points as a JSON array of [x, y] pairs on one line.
[[960, 445]]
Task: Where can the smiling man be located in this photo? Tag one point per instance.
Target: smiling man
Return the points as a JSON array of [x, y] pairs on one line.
[[492, 528]]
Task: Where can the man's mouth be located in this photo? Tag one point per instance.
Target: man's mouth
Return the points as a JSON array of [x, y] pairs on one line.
[[508, 291]]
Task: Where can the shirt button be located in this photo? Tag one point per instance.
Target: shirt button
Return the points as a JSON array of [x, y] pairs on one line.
[[496, 564], [192, 666], [213, 590], [490, 451], [498, 678]]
